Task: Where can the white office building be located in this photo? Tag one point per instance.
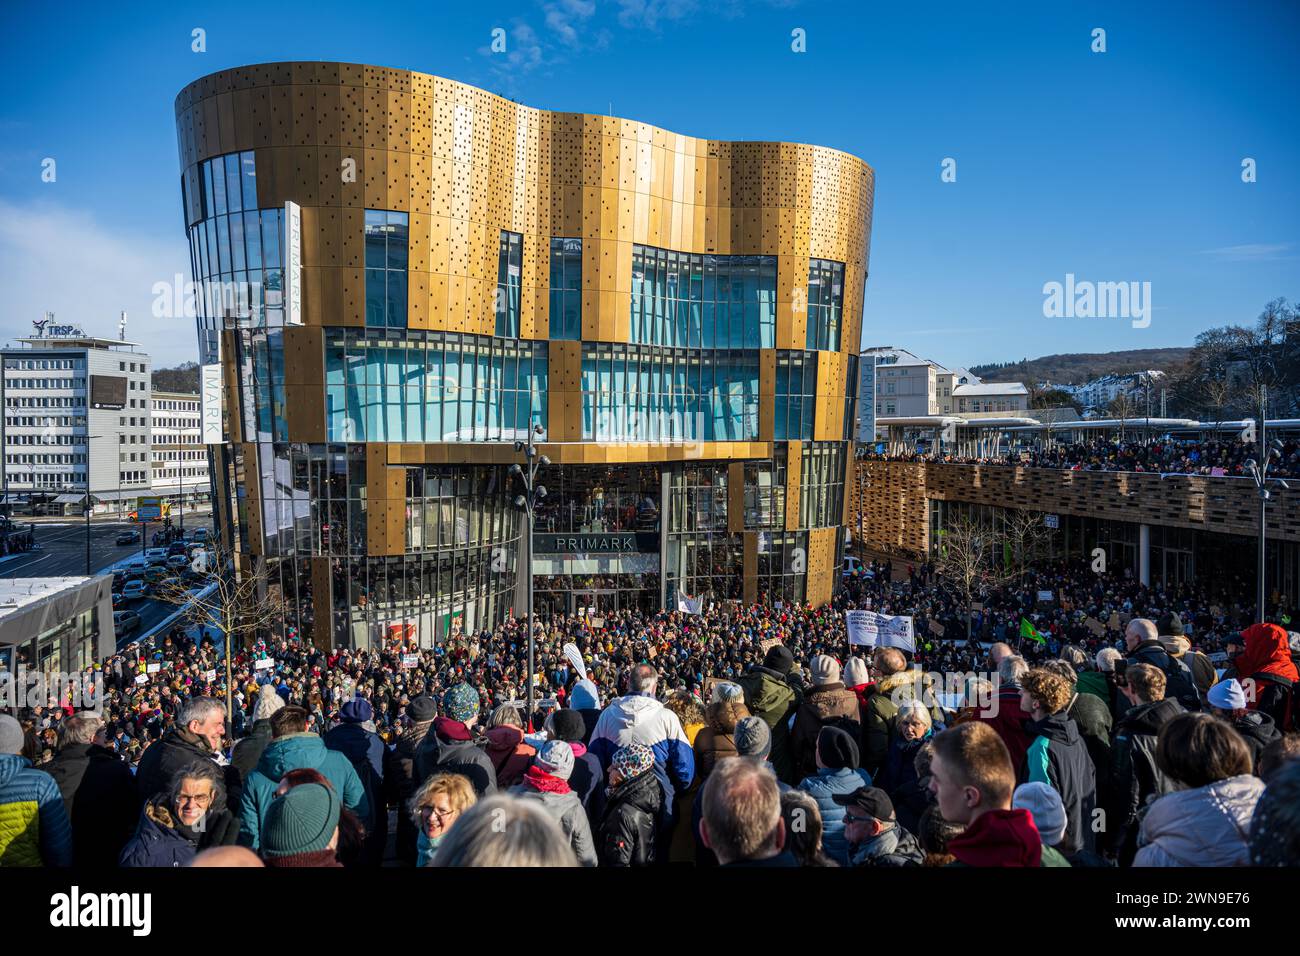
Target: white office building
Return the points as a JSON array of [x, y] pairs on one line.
[[180, 459], [76, 416]]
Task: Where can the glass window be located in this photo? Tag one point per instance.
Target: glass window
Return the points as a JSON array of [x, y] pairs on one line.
[[386, 243], [825, 304], [509, 281], [566, 289]]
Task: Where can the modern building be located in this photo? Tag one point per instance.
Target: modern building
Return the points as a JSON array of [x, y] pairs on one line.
[[53, 625], [180, 459], [908, 386], [76, 416], [434, 270], [1098, 394]]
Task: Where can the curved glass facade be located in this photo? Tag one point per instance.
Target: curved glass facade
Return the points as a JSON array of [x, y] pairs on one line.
[[416, 386]]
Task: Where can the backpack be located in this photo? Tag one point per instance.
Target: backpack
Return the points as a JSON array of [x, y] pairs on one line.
[[1180, 684]]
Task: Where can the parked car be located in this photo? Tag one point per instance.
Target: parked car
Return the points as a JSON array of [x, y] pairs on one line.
[[134, 566], [124, 622], [134, 590], [178, 547], [118, 600], [158, 573], [200, 536], [156, 556], [127, 537]]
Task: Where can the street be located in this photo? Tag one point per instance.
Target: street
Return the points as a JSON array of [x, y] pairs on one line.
[[61, 552]]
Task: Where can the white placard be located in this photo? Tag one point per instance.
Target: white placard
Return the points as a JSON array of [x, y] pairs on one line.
[[292, 251], [210, 384], [1046, 597], [210, 675], [1052, 521], [141, 679], [410, 660], [153, 668], [264, 663], [880, 630]]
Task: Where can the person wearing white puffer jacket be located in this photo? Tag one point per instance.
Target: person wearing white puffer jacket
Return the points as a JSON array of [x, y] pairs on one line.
[[1207, 823]]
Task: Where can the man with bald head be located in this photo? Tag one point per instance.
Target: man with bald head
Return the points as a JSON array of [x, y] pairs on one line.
[[1142, 638], [227, 856], [998, 653]]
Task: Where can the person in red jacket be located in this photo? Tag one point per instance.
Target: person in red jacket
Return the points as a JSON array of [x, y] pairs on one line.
[[1007, 717], [1266, 661], [972, 780]]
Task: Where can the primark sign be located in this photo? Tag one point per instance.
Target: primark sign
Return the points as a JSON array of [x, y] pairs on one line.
[[621, 542]]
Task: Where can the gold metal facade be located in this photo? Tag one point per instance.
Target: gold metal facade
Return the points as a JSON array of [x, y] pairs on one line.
[[339, 138]]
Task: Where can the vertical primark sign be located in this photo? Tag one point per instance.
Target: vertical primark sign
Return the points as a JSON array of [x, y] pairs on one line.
[[292, 263], [211, 384]]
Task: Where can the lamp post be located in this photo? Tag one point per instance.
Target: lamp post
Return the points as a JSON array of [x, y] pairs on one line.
[[1259, 472], [89, 500], [533, 493]]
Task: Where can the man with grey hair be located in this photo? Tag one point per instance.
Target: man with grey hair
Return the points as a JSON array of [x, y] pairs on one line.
[[98, 791], [1142, 638], [742, 821], [1006, 715], [196, 735]]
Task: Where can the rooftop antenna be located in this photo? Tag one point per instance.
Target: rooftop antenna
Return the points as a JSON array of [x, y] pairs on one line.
[[121, 327]]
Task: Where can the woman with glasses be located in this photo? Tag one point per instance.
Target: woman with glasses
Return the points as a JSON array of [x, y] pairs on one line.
[[435, 807]]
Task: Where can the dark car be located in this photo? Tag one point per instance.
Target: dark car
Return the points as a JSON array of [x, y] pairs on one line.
[[119, 601], [127, 537], [177, 547]]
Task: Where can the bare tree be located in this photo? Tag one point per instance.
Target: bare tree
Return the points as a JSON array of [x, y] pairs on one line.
[[967, 561], [1026, 532], [237, 602], [1122, 408]]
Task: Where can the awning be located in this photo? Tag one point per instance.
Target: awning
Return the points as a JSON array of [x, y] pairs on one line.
[[70, 499]]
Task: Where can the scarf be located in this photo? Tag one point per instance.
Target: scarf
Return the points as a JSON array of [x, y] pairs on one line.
[[544, 782], [450, 731]]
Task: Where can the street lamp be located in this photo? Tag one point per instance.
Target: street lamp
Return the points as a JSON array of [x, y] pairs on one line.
[[89, 500], [533, 494], [1260, 472]]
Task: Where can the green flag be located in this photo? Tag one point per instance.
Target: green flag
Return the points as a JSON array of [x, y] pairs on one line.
[[1027, 630]]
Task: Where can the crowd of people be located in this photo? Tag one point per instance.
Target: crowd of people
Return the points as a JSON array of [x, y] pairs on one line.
[[1215, 458], [1134, 726]]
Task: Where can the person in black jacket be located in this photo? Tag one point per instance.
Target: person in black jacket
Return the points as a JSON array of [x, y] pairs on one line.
[[1227, 701], [98, 792], [368, 756], [1057, 755], [1144, 647], [626, 835], [197, 735], [1135, 777], [449, 747], [190, 816], [400, 779]]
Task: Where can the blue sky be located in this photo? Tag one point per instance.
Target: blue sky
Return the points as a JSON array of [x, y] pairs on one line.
[[1115, 166]]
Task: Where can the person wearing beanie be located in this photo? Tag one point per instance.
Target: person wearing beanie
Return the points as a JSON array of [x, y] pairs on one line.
[[302, 828], [1048, 812], [506, 746], [872, 830], [585, 699], [449, 745], [857, 678], [625, 833], [365, 750], [566, 724], [34, 828], [829, 702], [401, 771], [837, 774], [248, 751], [1227, 701], [770, 694], [972, 778], [547, 782]]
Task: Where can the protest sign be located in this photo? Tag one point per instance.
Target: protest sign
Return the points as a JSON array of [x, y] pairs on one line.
[[880, 630]]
